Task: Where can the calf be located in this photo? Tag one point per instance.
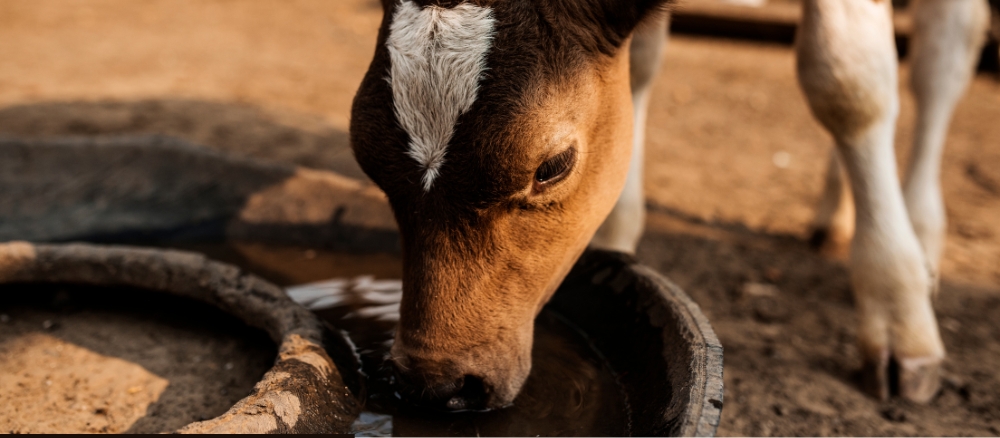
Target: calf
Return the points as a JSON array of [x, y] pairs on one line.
[[508, 135]]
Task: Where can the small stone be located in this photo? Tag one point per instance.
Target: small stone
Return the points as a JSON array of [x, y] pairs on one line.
[[134, 389], [770, 310], [754, 289], [766, 428], [771, 352], [894, 414], [780, 410], [49, 324], [228, 366]]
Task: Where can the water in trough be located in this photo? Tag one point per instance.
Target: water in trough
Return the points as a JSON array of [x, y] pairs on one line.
[[571, 390]]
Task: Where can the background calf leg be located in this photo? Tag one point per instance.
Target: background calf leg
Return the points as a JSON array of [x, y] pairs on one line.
[[848, 71], [622, 228], [833, 226], [948, 38]]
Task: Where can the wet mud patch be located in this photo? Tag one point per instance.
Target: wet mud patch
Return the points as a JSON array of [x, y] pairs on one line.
[[81, 359]]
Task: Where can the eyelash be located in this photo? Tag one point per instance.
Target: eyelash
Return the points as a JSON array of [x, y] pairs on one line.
[[556, 168]]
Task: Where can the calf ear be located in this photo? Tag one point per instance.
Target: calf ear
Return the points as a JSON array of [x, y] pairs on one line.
[[622, 16], [605, 23]]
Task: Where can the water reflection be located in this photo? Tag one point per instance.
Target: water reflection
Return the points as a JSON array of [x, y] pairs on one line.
[[570, 390]]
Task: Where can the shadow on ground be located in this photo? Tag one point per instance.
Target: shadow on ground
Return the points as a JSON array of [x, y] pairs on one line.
[[230, 127]]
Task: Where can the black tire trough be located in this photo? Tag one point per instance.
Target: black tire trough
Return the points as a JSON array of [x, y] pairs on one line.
[[304, 392]]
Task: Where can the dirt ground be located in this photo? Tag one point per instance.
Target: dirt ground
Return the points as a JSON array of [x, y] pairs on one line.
[[275, 80], [79, 360]]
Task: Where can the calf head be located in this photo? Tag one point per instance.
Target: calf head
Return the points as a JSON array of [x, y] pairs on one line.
[[500, 130]]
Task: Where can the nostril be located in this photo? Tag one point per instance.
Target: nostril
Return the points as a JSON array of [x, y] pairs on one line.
[[446, 390], [471, 395], [458, 385]]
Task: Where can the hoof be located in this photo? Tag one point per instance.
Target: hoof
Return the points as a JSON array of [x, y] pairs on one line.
[[915, 379], [919, 379]]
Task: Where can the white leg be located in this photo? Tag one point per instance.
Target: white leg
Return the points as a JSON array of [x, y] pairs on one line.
[[948, 38], [622, 228], [833, 226], [848, 71]]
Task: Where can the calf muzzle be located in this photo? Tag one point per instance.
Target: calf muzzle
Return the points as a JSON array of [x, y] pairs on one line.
[[446, 393]]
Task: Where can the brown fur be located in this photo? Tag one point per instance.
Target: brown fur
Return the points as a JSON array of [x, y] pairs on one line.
[[482, 251]]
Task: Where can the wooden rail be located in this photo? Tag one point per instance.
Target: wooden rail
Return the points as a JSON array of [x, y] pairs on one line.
[[776, 22]]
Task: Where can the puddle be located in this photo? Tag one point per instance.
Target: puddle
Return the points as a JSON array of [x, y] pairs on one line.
[[570, 391]]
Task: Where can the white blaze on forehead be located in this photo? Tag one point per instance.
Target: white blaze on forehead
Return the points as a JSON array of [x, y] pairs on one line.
[[438, 56]]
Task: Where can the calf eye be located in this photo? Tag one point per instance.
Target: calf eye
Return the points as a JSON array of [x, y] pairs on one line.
[[555, 169]]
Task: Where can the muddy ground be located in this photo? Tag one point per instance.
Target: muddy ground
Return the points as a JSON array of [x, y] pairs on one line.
[[274, 80]]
